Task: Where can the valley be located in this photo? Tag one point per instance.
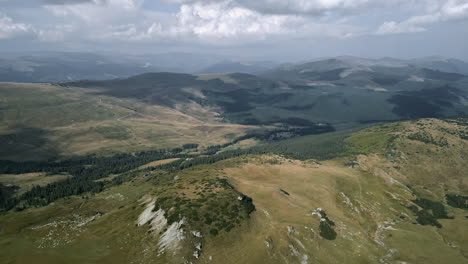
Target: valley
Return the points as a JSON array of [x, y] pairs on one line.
[[233, 132], [333, 161], [197, 214]]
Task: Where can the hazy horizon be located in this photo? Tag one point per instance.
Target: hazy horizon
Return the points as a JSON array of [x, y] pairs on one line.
[[219, 56], [260, 30]]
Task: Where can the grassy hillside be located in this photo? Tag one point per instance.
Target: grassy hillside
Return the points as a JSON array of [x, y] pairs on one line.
[[55, 66], [43, 121], [316, 92], [166, 110], [391, 193]]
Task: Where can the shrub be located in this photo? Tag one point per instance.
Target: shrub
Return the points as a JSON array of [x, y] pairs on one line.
[[214, 231], [327, 231], [457, 201]]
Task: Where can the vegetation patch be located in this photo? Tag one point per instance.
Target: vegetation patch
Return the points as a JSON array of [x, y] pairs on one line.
[[28, 142], [321, 147], [112, 132], [326, 227], [274, 136], [190, 146], [430, 213], [439, 75], [409, 106], [457, 201], [210, 205], [428, 139], [85, 174], [424, 103], [6, 192], [373, 140]]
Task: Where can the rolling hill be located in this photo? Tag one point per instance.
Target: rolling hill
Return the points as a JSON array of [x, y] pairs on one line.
[[332, 91], [228, 66], [171, 109], [66, 66], [44, 121], [340, 160], [394, 193]]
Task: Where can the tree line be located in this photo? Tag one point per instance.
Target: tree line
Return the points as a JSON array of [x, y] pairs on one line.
[[85, 171]]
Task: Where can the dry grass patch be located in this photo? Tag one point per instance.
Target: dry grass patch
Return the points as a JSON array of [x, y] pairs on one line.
[[156, 163], [28, 180]]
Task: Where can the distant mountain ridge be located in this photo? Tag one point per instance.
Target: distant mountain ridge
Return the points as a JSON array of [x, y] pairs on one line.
[[72, 66], [332, 91], [230, 66], [341, 91], [355, 64], [68, 66]]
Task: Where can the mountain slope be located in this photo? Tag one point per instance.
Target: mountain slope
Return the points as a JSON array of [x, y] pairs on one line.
[[171, 109], [69, 66], [384, 198], [43, 121], [443, 64], [66, 66], [327, 97], [239, 67]]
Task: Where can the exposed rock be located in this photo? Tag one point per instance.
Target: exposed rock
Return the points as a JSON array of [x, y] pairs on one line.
[[147, 214], [198, 246], [171, 238], [283, 192], [159, 221], [197, 234], [293, 250]]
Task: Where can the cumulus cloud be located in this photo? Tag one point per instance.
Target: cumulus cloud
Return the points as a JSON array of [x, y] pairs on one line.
[[55, 34], [227, 21], [75, 2], [211, 22], [10, 29], [307, 7], [445, 11], [220, 20], [65, 2], [95, 10], [224, 23], [206, 22]]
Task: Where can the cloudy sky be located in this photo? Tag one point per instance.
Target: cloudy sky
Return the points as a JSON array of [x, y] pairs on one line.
[[279, 29]]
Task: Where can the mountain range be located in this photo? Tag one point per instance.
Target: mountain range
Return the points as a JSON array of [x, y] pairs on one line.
[[158, 159], [65, 66]]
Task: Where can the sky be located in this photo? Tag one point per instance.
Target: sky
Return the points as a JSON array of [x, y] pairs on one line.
[[284, 30]]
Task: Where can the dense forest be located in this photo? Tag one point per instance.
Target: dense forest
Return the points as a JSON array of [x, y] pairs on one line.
[[86, 171]]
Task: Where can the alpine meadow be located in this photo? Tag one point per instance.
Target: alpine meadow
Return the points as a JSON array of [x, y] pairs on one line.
[[232, 131]]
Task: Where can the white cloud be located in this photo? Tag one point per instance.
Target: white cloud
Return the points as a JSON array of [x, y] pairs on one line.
[[54, 34], [204, 22], [10, 29], [445, 11], [393, 27], [230, 21], [211, 22], [221, 23], [308, 7], [97, 11]]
